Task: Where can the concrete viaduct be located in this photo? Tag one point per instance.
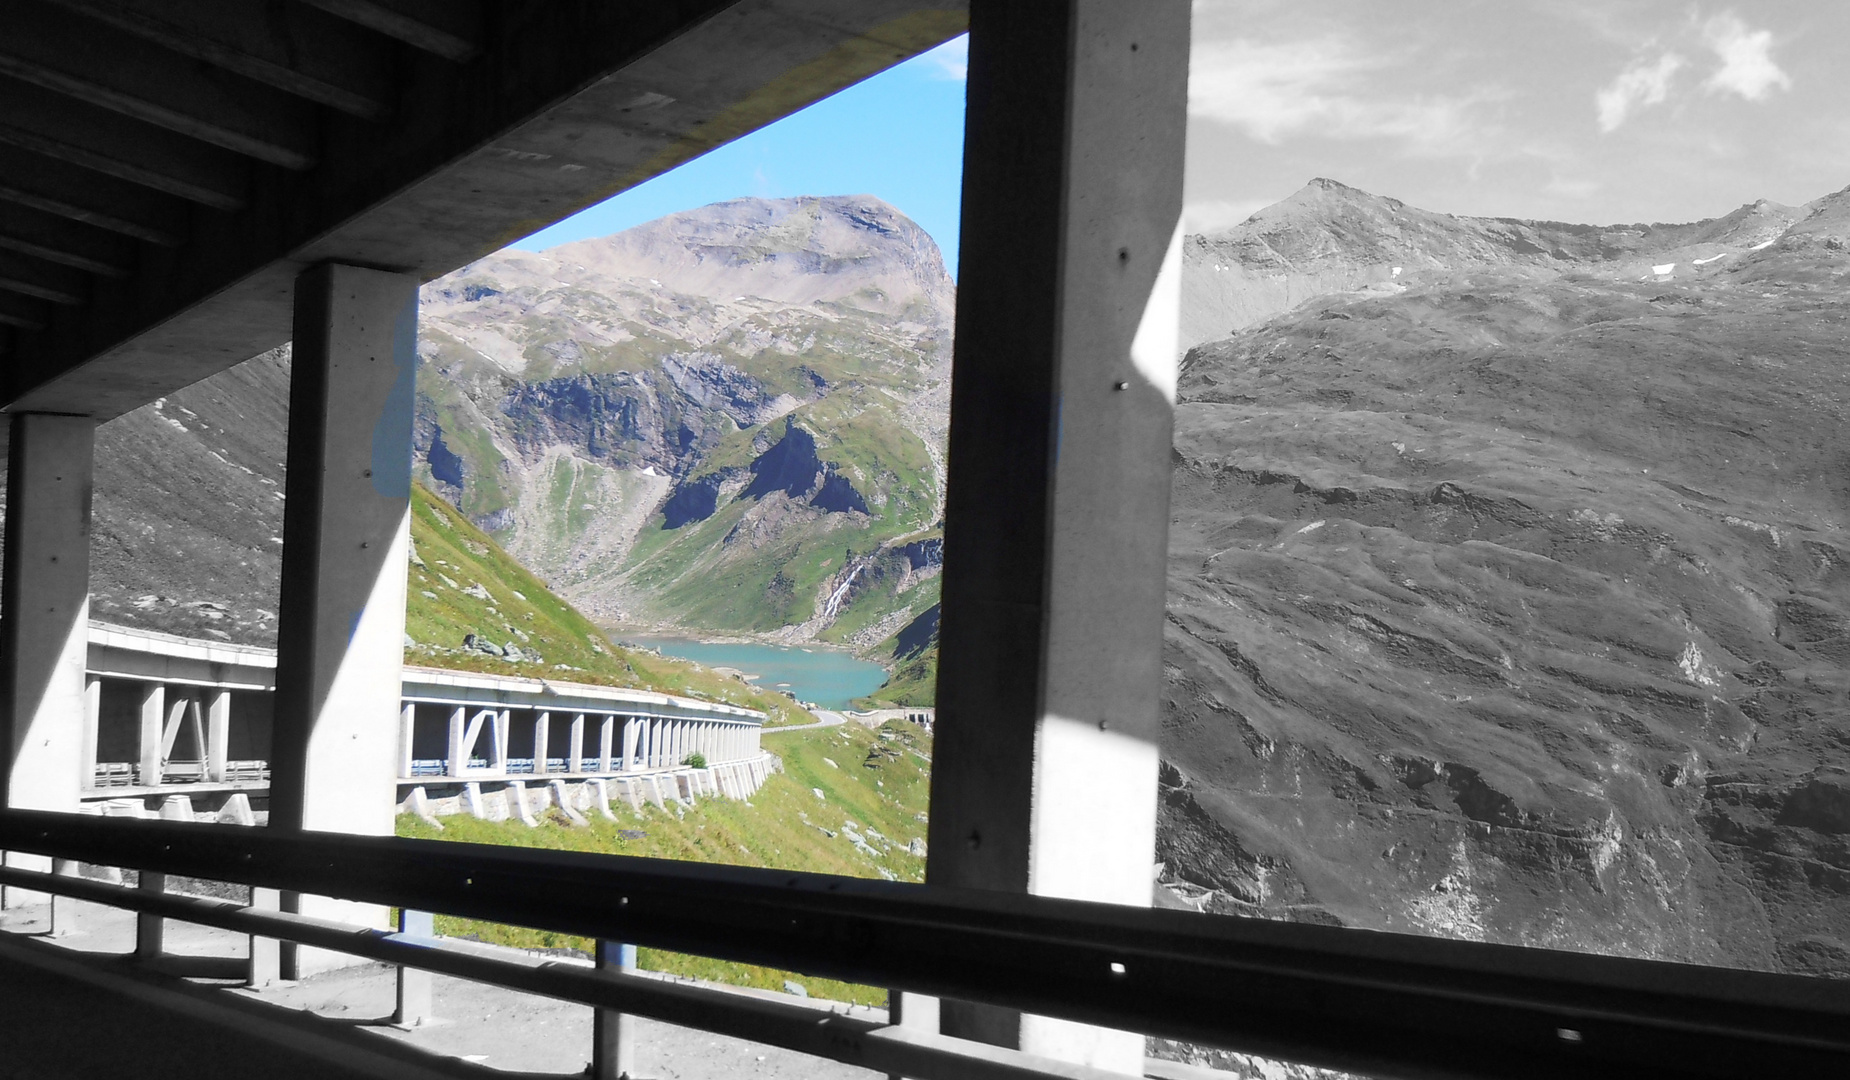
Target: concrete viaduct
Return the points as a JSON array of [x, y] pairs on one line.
[[169, 718]]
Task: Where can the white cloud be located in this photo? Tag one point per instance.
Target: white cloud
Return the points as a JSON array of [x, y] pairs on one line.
[[1640, 85], [951, 60], [1322, 87], [1747, 59]]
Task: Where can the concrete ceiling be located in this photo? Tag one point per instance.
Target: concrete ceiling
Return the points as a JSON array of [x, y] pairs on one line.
[[167, 167]]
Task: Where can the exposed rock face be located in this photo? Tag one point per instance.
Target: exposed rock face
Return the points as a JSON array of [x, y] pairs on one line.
[[1515, 605], [691, 421]]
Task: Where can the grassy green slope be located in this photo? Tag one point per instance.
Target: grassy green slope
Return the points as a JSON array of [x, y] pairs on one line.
[[877, 779], [452, 556]]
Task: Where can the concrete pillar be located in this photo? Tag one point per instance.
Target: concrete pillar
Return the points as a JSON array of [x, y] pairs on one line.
[[1050, 670], [629, 745], [407, 730], [503, 720], [346, 531], [93, 716], [152, 712], [606, 738], [218, 734], [575, 763], [44, 622], [458, 755], [542, 741]]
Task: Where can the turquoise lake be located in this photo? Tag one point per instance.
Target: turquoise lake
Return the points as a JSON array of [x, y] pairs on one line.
[[828, 677]]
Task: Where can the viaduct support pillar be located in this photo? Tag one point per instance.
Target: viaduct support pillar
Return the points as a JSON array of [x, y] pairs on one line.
[[218, 734], [93, 718], [44, 621], [1062, 399], [346, 529]]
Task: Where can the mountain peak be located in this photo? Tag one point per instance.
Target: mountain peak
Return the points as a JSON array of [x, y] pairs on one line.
[[856, 249]]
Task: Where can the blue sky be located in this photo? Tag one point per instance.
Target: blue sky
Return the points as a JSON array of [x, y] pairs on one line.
[[898, 136], [1592, 111]]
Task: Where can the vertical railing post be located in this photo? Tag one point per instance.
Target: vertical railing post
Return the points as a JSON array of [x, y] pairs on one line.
[[150, 930], [613, 1034], [414, 984], [265, 953]]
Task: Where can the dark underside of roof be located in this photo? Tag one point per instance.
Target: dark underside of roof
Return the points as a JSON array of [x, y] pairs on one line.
[[167, 167]]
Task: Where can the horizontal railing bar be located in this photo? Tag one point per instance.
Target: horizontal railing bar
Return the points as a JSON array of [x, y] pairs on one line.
[[803, 1028], [1347, 999]]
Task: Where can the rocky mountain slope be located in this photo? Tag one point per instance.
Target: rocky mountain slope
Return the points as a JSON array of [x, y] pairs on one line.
[[728, 420], [1510, 596], [1329, 237], [186, 539]]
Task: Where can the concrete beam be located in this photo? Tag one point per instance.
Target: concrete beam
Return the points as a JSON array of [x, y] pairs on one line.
[[24, 312], [69, 191], [451, 29], [30, 275], [1062, 394], [100, 64], [72, 130], [289, 47]]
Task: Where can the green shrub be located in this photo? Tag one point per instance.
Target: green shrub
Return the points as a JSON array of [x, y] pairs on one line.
[[696, 760]]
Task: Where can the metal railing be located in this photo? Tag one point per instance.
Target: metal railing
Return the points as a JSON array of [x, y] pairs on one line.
[[1365, 1002]]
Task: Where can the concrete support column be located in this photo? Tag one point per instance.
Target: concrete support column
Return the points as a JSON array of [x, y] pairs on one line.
[[346, 531], [631, 732], [151, 716], [93, 718], [576, 762], [1062, 401], [218, 735], [542, 741], [607, 733], [407, 732], [503, 720], [44, 620], [458, 756]]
